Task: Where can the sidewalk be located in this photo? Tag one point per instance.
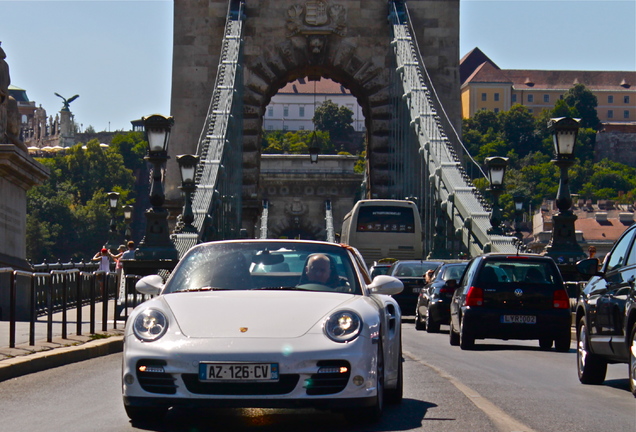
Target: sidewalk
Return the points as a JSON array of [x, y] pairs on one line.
[[25, 358]]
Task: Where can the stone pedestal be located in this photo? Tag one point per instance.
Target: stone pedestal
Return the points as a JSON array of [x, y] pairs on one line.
[[18, 173]]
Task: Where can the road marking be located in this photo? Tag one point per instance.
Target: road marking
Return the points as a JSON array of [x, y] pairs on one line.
[[501, 420]]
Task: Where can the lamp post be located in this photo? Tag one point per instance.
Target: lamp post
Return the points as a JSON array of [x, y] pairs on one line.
[[128, 211], [113, 198], [519, 200], [187, 167], [563, 247], [314, 149], [156, 244], [496, 166]]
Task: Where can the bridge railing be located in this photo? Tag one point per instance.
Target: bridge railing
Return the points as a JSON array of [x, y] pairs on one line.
[[67, 295], [216, 202], [438, 143]]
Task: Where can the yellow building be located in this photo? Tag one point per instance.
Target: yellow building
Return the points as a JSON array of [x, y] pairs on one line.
[[486, 86]]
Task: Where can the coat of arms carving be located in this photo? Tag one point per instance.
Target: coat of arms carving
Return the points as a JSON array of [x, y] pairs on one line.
[[316, 17]]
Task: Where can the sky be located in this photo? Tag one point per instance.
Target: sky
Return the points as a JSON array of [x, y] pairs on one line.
[[117, 54]]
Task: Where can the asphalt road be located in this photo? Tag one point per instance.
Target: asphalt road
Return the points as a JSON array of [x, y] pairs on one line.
[[500, 386]]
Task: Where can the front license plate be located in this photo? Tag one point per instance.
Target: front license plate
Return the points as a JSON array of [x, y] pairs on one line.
[[238, 371], [519, 319]]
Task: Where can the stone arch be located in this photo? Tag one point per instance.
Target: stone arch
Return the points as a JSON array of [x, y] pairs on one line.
[[338, 58], [347, 41]]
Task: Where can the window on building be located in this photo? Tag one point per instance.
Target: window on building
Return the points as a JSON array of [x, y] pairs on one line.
[[270, 127], [270, 111], [546, 98], [530, 110], [626, 99], [610, 114], [514, 98], [530, 98], [626, 114], [301, 127], [610, 99], [285, 127], [484, 97], [301, 111], [496, 97], [496, 110], [286, 111]]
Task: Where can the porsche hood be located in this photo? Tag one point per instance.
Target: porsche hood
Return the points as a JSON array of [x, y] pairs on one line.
[[261, 314]]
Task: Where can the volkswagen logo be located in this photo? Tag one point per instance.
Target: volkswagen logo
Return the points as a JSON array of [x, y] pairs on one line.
[[518, 292]]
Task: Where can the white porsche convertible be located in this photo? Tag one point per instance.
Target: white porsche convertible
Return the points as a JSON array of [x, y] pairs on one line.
[[265, 323]]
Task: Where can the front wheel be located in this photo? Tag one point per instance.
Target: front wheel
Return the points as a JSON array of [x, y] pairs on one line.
[[431, 326], [466, 338], [419, 323], [632, 361], [591, 367], [371, 414], [454, 336]]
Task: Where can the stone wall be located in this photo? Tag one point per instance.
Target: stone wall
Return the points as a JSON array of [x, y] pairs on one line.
[[616, 146]]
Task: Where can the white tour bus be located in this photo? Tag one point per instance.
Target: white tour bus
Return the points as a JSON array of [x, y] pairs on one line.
[[384, 228]]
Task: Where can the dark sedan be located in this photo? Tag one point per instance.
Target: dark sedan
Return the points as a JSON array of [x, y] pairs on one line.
[[511, 297], [606, 313], [411, 273], [433, 302]]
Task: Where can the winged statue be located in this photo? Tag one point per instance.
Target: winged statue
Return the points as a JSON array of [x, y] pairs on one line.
[[67, 102]]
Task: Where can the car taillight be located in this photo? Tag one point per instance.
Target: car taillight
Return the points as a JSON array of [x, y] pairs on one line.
[[447, 290], [475, 297], [561, 299]]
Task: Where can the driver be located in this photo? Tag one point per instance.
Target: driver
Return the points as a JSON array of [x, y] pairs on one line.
[[318, 269]]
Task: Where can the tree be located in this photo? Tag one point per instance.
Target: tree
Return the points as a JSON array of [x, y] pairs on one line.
[[68, 215], [338, 121], [585, 103]]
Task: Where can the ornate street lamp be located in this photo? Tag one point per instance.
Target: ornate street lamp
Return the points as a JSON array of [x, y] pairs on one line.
[[113, 198], [314, 149], [128, 212], [496, 166], [156, 244], [187, 167], [519, 200], [563, 247]]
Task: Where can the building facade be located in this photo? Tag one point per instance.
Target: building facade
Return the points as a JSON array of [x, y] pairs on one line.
[[293, 107], [486, 86]]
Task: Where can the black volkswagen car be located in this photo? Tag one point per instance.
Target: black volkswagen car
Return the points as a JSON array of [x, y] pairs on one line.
[[511, 297], [433, 302], [606, 313]]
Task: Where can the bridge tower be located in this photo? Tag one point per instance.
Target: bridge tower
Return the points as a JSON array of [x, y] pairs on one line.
[[344, 40]]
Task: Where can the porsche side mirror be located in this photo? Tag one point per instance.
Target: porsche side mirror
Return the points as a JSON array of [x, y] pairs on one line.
[[388, 285], [150, 285]]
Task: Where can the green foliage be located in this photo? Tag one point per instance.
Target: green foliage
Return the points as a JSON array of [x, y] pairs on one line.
[[528, 145], [337, 120], [68, 216], [281, 142], [585, 103]]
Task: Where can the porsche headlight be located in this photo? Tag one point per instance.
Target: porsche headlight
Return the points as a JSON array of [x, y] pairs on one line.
[[343, 326], [150, 325]]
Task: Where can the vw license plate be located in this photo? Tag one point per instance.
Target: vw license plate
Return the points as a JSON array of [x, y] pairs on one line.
[[238, 371], [519, 319]]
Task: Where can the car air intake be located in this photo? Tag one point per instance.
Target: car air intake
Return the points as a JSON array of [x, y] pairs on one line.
[[332, 377]]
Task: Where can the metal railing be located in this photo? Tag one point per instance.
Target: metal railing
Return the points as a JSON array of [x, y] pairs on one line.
[[35, 297]]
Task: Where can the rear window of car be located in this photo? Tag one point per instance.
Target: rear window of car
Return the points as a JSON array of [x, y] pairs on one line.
[[518, 271]]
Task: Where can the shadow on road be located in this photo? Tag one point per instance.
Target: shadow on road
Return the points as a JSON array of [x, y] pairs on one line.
[[405, 416]]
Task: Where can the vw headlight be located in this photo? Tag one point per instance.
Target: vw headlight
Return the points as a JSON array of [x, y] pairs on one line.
[[343, 326], [150, 325]]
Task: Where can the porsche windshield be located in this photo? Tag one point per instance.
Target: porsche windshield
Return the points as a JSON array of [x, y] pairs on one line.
[[265, 265]]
